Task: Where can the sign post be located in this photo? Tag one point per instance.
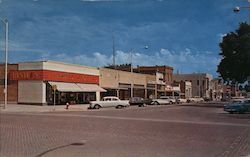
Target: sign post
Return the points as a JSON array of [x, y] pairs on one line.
[[54, 87]]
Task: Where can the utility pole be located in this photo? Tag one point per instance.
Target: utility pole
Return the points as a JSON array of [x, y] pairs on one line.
[[131, 70], [113, 38]]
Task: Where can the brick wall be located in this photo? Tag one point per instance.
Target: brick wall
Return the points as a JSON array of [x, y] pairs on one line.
[[12, 85]]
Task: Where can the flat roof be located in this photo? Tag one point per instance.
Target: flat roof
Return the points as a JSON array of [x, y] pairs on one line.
[[59, 62], [156, 66]]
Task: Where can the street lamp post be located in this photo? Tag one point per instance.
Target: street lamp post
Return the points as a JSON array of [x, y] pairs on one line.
[[6, 63], [131, 70], [237, 9]]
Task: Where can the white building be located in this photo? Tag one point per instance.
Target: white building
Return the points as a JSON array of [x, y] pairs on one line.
[[201, 83]]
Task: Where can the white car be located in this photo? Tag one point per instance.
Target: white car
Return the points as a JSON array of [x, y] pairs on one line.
[[109, 101], [163, 101], [196, 99], [171, 99], [181, 100]]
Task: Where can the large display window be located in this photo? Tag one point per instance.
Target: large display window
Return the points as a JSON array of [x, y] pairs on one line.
[[70, 97]]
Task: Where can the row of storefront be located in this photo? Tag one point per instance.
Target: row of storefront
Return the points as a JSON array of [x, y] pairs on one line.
[[46, 82]]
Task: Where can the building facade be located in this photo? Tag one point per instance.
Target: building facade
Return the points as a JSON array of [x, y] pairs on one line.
[[119, 83], [217, 89], [201, 83], [167, 72], [185, 89], [72, 83], [12, 84]]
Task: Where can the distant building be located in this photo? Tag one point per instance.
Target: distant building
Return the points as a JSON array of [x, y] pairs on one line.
[[230, 91], [217, 88], [185, 88], [164, 78], [201, 83], [167, 72]]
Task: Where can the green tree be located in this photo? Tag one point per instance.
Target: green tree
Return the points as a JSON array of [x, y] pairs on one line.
[[124, 67], [235, 52]]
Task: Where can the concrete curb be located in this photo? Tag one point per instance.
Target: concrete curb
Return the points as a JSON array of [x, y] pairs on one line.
[[17, 108]]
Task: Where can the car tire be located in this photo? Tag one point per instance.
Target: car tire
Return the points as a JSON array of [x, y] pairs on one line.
[[155, 103], [97, 106], [119, 106]]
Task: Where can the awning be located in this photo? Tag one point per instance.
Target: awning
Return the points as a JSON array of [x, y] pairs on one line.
[[76, 87], [90, 87], [66, 87]]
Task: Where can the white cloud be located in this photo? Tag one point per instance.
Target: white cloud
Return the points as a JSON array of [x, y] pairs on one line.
[[220, 36], [184, 61]]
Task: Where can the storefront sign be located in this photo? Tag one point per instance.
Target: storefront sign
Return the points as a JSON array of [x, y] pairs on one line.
[[26, 75], [48, 75]]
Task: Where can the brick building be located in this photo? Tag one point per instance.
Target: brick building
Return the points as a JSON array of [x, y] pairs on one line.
[[12, 84], [167, 72]]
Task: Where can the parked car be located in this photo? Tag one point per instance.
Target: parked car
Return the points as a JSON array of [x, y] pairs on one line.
[[238, 99], [208, 99], [109, 101], [139, 101], [195, 99], [171, 99], [238, 107], [181, 100], [163, 100]]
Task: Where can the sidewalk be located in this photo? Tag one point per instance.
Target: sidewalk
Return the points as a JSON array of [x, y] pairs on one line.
[[33, 108]]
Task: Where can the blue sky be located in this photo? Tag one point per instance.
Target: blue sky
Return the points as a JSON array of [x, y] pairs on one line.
[[184, 34]]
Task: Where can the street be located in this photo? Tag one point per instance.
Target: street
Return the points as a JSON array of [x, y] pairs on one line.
[[153, 131]]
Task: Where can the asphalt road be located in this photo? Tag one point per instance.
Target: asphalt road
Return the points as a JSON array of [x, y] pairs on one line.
[[155, 131]]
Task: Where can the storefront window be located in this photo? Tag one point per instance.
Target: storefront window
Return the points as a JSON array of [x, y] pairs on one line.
[[72, 97]]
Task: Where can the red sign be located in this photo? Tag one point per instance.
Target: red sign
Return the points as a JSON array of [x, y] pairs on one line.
[[48, 75]]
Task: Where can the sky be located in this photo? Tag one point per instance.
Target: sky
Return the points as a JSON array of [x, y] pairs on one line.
[[184, 34]]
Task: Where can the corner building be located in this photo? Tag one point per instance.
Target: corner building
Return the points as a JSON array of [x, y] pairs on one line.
[[74, 83]]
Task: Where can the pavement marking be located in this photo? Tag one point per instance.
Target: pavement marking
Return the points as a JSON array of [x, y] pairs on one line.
[[146, 119]]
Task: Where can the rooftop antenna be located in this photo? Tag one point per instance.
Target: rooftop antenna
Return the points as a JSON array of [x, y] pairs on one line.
[[113, 38]]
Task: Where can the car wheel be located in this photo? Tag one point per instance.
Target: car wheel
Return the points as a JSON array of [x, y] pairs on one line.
[[155, 103], [97, 106], [119, 106], [231, 112]]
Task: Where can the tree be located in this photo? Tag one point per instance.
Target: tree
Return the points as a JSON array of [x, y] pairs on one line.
[[235, 51], [124, 67]]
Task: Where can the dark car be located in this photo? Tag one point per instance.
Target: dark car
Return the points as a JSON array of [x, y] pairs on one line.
[[238, 107], [139, 101]]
